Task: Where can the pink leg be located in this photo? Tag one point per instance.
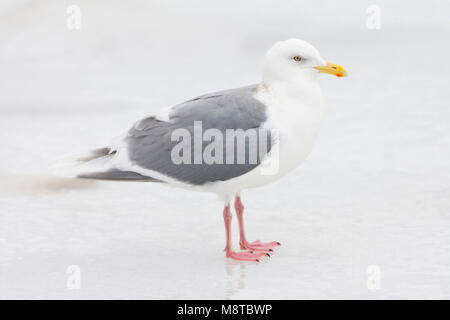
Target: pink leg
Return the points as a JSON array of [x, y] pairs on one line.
[[244, 256], [244, 244]]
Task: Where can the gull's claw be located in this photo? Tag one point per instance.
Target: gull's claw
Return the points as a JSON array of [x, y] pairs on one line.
[[259, 246]]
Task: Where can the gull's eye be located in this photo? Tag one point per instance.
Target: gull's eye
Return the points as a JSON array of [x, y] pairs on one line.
[[297, 58]]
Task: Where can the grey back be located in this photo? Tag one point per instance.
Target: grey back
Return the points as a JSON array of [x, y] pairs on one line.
[[150, 140]]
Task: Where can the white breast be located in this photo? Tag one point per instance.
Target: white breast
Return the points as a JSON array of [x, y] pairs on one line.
[[298, 119], [295, 119]]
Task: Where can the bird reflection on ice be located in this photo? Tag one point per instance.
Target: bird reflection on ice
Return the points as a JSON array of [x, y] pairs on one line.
[[235, 277]]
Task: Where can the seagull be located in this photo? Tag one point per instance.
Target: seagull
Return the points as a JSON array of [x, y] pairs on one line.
[[227, 141]]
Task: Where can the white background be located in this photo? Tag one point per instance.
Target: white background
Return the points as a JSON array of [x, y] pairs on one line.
[[375, 191]]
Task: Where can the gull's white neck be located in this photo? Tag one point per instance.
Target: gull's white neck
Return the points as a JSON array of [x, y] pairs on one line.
[[295, 110], [304, 92], [296, 104]]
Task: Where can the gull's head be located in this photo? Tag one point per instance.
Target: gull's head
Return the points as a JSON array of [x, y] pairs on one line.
[[295, 59]]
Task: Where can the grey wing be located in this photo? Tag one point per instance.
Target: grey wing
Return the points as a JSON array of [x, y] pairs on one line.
[[231, 113]]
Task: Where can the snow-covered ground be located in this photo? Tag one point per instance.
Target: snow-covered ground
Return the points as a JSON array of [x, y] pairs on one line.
[[373, 199]]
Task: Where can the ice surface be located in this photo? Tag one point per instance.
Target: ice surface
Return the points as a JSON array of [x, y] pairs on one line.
[[375, 191]]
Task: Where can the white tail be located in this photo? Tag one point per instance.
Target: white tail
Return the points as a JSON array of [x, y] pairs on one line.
[[73, 165]]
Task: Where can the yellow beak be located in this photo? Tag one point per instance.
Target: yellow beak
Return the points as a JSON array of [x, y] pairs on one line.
[[334, 69]]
